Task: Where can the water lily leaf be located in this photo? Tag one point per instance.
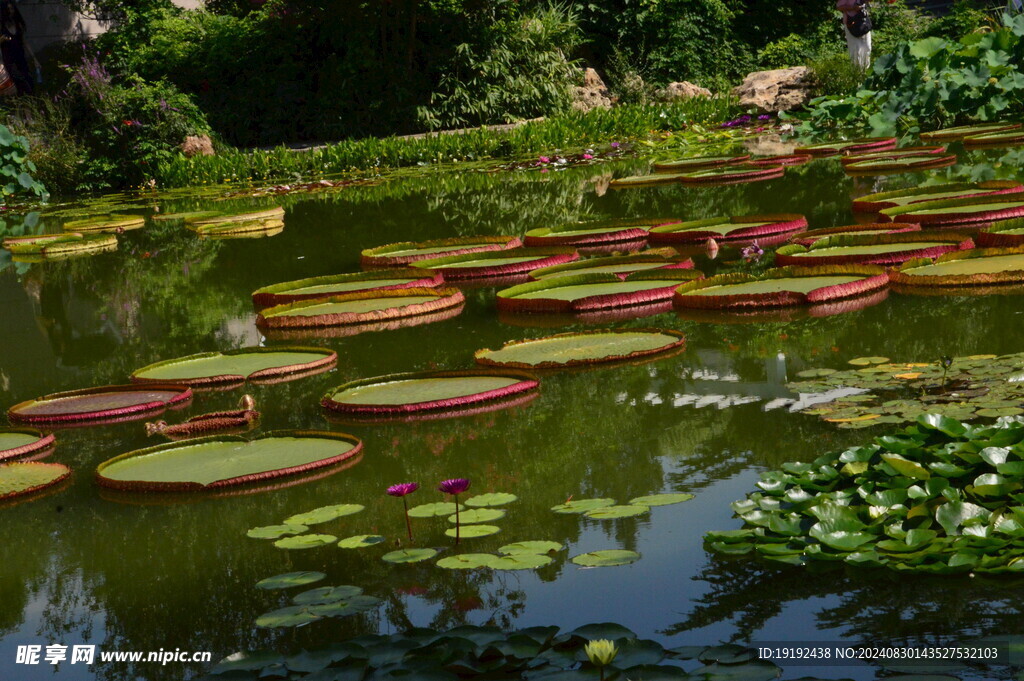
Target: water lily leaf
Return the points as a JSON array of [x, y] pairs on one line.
[[305, 541], [290, 579], [815, 373], [291, 616], [582, 505], [868, 361], [606, 558], [521, 561], [473, 531], [247, 662], [953, 514], [662, 499], [235, 366], [324, 514], [480, 515], [275, 531], [758, 670], [727, 654], [491, 499], [326, 594], [614, 512], [911, 469], [467, 561], [655, 672], [841, 540], [438, 508], [360, 541], [943, 424], [607, 630], [348, 607], [534, 547], [409, 555], [1000, 411]]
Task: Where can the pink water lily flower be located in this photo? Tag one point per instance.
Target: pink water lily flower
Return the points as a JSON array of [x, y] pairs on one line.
[[403, 489]]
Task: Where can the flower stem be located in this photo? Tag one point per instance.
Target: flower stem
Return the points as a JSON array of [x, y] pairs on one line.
[[408, 525], [457, 526]]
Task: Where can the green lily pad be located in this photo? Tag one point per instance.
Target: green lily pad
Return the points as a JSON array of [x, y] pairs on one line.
[[233, 366], [473, 531], [409, 555], [662, 499], [491, 499], [999, 411], [868, 361], [305, 541], [433, 510], [17, 479], [326, 594], [582, 505], [521, 561], [606, 558], [291, 616], [290, 579], [614, 512], [346, 608], [479, 515], [324, 514], [360, 541], [581, 348], [467, 561], [275, 531], [535, 547]]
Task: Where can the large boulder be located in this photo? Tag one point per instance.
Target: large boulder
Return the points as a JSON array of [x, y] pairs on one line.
[[776, 90], [593, 94], [197, 145], [682, 90]]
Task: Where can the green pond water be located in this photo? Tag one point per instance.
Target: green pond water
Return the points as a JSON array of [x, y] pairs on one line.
[[138, 573]]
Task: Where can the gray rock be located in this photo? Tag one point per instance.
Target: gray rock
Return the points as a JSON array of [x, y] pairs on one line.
[[776, 90]]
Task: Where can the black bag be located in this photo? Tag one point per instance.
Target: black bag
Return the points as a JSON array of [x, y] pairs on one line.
[[859, 24]]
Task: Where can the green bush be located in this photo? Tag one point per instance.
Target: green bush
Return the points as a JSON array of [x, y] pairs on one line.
[[54, 147], [835, 74], [16, 180], [792, 50]]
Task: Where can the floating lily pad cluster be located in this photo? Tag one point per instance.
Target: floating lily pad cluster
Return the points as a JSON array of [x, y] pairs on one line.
[[291, 533], [938, 497], [314, 604], [965, 388], [473, 652]]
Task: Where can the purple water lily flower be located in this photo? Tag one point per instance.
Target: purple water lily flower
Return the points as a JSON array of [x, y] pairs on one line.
[[401, 491], [455, 487], [752, 252]]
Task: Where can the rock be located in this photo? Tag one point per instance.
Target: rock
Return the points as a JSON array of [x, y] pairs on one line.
[[776, 90], [683, 90], [197, 145], [593, 94]]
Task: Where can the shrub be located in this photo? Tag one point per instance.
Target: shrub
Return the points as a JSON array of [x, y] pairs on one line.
[[835, 74], [16, 169], [54, 147]]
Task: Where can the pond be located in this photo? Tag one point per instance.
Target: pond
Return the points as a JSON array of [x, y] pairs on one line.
[[85, 565]]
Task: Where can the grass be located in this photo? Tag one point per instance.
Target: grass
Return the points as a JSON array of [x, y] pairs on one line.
[[570, 131]]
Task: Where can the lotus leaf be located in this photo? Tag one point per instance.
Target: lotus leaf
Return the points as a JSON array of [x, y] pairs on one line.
[[479, 515], [18, 479], [324, 514], [491, 499], [606, 558], [409, 555], [614, 512], [305, 541], [113, 402], [582, 505], [361, 541], [467, 561], [662, 499], [235, 366], [290, 579], [432, 510], [326, 594], [537, 547], [16, 443], [582, 348], [473, 531], [275, 531]]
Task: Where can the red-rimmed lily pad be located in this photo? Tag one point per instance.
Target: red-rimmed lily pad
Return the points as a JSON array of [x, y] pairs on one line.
[[781, 315], [650, 180], [1002, 234], [306, 333], [427, 391], [49, 245], [108, 403], [223, 217], [21, 443], [246, 229], [340, 284], [589, 292], [363, 307], [784, 160], [880, 249], [217, 462], [959, 132], [406, 252], [597, 233], [1005, 138], [873, 203], [255, 364], [902, 152], [489, 264], [903, 164], [727, 228], [958, 212], [781, 287], [105, 223], [22, 478], [734, 175], [683, 165], [619, 265], [876, 228], [979, 267], [848, 147], [582, 348]]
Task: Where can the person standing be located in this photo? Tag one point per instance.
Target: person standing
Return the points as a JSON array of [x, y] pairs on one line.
[[857, 25], [12, 46]]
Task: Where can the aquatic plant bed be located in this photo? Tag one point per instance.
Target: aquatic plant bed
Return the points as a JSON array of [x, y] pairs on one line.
[[497, 263], [978, 267], [598, 233], [19, 443], [406, 252], [781, 287], [959, 132], [726, 228], [409, 393], [237, 366], [877, 249], [224, 461], [338, 284], [877, 228], [873, 203], [935, 498], [684, 165], [112, 402], [23, 478], [848, 147], [957, 212], [363, 307], [1002, 234], [69, 243], [589, 292], [582, 348], [619, 265]]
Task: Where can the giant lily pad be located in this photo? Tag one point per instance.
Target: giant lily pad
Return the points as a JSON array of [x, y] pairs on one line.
[[848, 147], [606, 558], [19, 443], [727, 229], [872, 203], [248, 229], [338, 284], [698, 163], [781, 287], [406, 252], [1005, 138], [877, 228], [216, 462], [197, 222], [91, 405], [979, 267], [589, 292], [582, 348], [958, 212], [105, 223], [880, 249], [57, 245], [650, 180], [904, 164], [363, 307], [959, 132], [399, 394], [1002, 234], [496, 263], [236, 366], [620, 265], [902, 152], [597, 233], [23, 478], [734, 175], [781, 160]]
